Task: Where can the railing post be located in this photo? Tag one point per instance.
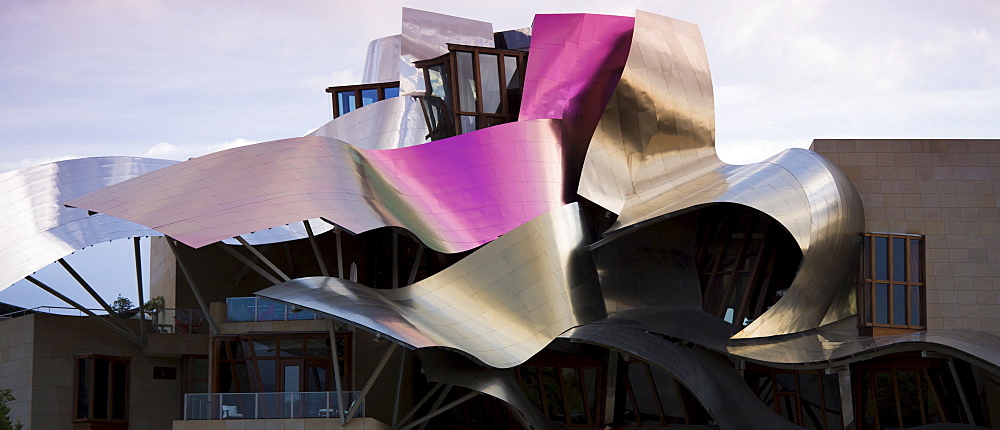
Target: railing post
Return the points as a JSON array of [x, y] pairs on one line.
[[186, 406], [256, 406]]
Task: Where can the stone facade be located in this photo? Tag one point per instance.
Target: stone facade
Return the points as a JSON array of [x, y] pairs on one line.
[[946, 190]]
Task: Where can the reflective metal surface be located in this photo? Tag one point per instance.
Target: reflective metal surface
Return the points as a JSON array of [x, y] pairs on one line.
[[391, 123], [711, 379], [825, 349], [454, 194], [501, 304], [36, 230], [426, 35], [448, 367], [653, 154], [382, 61]]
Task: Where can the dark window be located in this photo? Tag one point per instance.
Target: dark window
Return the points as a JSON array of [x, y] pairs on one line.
[[164, 373], [487, 82], [278, 363], [809, 398], [350, 97], [101, 389], [568, 390], [891, 291]]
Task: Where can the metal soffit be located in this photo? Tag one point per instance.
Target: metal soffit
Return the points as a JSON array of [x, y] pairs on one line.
[[653, 154], [501, 304], [36, 230]]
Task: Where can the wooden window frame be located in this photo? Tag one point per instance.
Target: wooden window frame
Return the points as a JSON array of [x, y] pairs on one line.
[[593, 408], [91, 390], [381, 87], [483, 119], [867, 283], [250, 358]]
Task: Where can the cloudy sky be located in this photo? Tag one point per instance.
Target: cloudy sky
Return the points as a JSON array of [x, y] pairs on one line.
[[177, 79]]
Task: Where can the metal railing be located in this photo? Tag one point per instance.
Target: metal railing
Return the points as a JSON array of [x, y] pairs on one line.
[[253, 309], [55, 310], [174, 320], [252, 406]]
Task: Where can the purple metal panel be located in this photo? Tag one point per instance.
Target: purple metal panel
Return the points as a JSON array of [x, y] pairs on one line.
[[450, 193]]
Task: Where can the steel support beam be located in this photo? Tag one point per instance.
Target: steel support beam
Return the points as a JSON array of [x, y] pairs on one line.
[[441, 410], [336, 372], [416, 264], [961, 391], [193, 287], [420, 404], [371, 380], [249, 263], [253, 250], [97, 297], [138, 283], [340, 254], [315, 248], [399, 387], [128, 335]]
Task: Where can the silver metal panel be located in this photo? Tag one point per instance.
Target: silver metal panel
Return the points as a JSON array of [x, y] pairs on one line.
[[426, 35], [450, 368], [36, 229], [392, 123], [501, 304], [453, 194], [653, 154], [712, 379], [382, 61], [822, 348]]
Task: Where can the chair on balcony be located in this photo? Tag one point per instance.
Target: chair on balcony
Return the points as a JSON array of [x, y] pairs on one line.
[[230, 411]]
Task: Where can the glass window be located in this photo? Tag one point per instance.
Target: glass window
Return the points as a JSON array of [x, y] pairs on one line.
[[489, 71], [101, 388], [345, 102], [369, 96], [466, 83], [390, 92], [892, 290]]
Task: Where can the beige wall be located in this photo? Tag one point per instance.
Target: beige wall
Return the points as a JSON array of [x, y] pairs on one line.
[[946, 190], [16, 364], [39, 364], [162, 272]]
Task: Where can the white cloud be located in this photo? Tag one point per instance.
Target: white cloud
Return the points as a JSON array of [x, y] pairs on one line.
[[164, 150], [235, 143]]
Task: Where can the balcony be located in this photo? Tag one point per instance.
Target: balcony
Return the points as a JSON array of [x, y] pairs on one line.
[[253, 309], [252, 406]]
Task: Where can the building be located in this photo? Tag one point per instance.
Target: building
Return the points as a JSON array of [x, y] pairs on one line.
[[522, 229]]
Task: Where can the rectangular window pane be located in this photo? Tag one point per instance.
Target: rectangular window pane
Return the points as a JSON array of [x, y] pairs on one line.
[[264, 347], [292, 347], [468, 123], [268, 378], [513, 77], [899, 259], [466, 83], [867, 301], [553, 394], [489, 72], [391, 92], [882, 303], [866, 260], [83, 387], [915, 300], [899, 304], [882, 258], [119, 391], [574, 395], [102, 367], [345, 102], [916, 261], [369, 96]]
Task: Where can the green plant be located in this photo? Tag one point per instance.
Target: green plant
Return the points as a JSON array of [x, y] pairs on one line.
[[121, 304], [6, 395], [154, 303]]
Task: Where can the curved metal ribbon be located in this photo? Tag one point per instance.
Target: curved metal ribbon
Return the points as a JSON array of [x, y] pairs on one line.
[[653, 154], [501, 304]]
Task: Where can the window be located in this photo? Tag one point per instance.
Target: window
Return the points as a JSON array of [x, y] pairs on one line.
[[350, 97], [486, 84], [267, 363], [568, 390], [101, 390], [892, 281], [809, 398]]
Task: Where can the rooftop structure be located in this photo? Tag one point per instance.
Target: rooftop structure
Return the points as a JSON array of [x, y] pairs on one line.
[[520, 229]]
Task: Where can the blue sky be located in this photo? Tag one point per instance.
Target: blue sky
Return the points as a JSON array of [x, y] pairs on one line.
[[178, 79]]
